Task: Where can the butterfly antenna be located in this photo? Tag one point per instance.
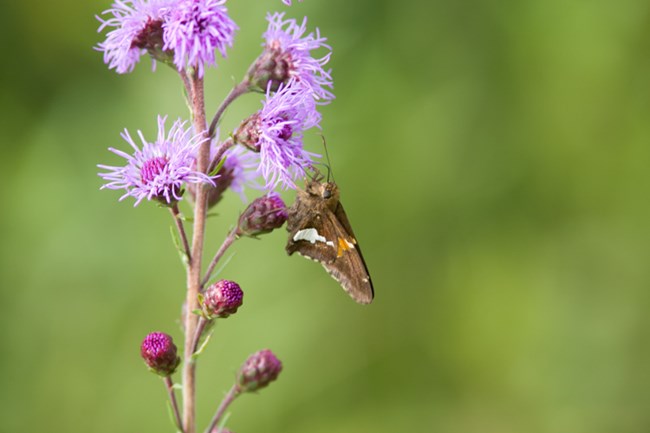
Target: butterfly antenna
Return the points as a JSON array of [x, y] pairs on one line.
[[329, 164]]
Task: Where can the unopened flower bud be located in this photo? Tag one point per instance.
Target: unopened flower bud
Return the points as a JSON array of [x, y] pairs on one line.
[[150, 38], [222, 299], [263, 215], [272, 68], [248, 133], [159, 353], [260, 369]]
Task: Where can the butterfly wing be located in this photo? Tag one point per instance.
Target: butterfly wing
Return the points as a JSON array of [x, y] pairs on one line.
[[349, 268], [306, 234]]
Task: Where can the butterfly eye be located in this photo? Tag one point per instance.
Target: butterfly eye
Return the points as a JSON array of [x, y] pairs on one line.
[[327, 194]]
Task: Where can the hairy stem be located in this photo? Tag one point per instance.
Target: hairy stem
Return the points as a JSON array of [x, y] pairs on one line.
[[188, 87], [232, 236], [229, 398], [220, 152], [235, 93], [181, 231], [197, 335], [172, 398], [194, 272]]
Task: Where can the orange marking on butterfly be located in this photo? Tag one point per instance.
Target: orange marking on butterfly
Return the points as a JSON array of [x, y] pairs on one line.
[[344, 245]]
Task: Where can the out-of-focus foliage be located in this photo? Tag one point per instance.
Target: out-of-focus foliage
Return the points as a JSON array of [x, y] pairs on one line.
[[493, 158]]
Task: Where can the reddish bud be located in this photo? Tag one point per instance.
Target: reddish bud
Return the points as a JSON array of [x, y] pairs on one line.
[[263, 215], [159, 353], [222, 299], [260, 369]]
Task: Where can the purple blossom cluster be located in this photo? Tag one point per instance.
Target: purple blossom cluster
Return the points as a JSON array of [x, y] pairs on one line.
[[268, 145], [187, 31], [187, 34]]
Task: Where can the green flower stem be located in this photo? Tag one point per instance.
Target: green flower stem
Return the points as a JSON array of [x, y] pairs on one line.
[[232, 236], [169, 384], [227, 400], [235, 93], [220, 152], [200, 327], [181, 230]]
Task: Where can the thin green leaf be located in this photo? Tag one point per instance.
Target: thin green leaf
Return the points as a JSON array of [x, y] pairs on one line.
[[179, 247], [218, 167], [223, 422], [203, 345], [172, 418], [221, 268]]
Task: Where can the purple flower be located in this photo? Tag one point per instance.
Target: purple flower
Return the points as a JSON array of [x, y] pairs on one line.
[[260, 369], [276, 132], [287, 55], [195, 29], [159, 353], [288, 2], [137, 29], [160, 169], [222, 299]]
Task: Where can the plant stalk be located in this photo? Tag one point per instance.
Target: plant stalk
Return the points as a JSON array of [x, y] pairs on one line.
[[181, 231], [172, 398], [235, 93], [227, 400], [197, 103], [232, 236]]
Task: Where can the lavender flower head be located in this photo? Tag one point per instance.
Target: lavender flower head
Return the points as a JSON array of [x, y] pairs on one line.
[[287, 55], [288, 2], [276, 132], [159, 170], [137, 30], [195, 29]]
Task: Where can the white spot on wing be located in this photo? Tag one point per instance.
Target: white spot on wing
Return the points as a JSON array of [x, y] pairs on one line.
[[311, 235]]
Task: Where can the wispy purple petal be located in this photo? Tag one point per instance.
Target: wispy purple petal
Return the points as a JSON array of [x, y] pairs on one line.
[[287, 40], [282, 120], [136, 27], [195, 30], [160, 169]]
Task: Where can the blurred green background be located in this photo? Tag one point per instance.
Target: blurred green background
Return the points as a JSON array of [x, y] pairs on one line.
[[493, 158]]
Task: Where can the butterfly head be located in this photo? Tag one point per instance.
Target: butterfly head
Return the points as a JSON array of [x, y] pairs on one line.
[[327, 191]]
